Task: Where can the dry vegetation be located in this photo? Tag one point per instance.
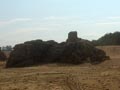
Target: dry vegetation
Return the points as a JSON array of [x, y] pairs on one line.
[[105, 76]]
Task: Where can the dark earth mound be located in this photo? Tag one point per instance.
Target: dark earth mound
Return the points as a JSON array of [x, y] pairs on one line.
[[73, 51]]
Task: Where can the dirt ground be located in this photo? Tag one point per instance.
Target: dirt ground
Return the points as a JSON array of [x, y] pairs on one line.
[[105, 76]]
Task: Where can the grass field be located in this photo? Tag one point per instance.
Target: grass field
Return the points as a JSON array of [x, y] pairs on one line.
[[105, 76]]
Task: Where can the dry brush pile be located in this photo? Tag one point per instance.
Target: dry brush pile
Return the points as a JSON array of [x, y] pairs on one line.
[[73, 51]]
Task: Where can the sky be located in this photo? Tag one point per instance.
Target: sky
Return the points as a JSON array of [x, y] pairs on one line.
[[24, 20]]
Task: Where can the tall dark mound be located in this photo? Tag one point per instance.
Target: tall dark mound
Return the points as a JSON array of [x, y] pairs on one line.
[[108, 39], [73, 51]]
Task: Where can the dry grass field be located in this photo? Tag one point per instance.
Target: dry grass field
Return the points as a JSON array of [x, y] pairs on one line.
[[105, 76]]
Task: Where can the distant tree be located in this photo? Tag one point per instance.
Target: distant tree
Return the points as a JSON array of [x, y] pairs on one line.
[[108, 39], [7, 48]]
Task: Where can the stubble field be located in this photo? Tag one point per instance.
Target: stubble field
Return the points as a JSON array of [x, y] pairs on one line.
[[105, 76]]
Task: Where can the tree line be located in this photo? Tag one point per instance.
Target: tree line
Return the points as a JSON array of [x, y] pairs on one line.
[[108, 39], [6, 48]]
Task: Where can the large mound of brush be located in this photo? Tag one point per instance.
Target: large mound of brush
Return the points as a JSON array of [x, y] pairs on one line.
[[73, 51]]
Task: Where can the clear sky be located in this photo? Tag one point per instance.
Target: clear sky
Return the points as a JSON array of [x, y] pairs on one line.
[[22, 20]]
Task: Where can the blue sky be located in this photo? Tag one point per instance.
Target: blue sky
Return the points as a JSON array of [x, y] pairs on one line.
[[22, 20]]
